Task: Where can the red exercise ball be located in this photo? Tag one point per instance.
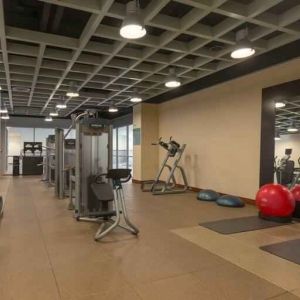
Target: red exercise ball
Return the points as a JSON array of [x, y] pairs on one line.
[[275, 200], [296, 192]]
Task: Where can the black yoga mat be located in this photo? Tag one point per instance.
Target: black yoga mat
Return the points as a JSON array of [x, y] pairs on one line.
[[288, 250], [229, 226]]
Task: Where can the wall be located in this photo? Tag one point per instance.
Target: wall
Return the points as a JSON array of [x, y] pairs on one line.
[[145, 156], [288, 141], [221, 127]]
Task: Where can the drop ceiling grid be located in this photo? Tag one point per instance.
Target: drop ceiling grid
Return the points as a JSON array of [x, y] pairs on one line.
[[287, 114], [108, 68]]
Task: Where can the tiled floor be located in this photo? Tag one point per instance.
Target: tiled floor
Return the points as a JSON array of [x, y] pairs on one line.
[[46, 254]]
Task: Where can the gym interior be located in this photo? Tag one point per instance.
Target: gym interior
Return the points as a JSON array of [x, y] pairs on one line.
[[149, 149]]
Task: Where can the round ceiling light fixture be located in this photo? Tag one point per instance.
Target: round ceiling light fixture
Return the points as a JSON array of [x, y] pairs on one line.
[[5, 117], [172, 80], [48, 119], [113, 108], [61, 104], [133, 25], [136, 97], [243, 47], [292, 127], [72, 91], [53, 113], [277, 135], [280, 104], [3, 110]]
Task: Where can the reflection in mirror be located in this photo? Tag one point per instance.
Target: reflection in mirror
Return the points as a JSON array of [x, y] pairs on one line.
[[287, 141]]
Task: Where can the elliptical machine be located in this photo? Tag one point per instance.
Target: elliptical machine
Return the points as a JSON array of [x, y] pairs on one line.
[[170, 186]]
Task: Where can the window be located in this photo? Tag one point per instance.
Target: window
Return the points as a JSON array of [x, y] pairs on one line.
[[122, 147], [115, 147]]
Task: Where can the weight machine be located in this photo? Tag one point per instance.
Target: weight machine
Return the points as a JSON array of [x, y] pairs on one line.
[[170, 186], [98, 188]]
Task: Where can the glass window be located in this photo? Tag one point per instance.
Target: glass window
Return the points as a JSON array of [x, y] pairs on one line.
[[122, 147], [16, 136], [72, 133], [40, 134], [115, 148], [130, 146]]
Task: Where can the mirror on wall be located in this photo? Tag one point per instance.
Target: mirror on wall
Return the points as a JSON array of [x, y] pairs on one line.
[[280, 134], [287, 141]]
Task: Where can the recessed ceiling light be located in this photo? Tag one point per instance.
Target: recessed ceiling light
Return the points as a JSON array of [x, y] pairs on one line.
[[279, 104], [133, 25]]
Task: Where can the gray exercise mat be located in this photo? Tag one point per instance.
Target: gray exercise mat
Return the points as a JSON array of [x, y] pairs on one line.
[[229, 226], [288, 250]]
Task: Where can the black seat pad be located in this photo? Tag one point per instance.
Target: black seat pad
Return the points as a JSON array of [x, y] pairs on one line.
[[102, 191]]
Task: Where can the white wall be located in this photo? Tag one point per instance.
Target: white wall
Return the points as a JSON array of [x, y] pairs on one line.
[[288, 141]]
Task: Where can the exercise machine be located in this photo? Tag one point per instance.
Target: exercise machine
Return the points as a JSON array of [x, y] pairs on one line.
[[284, 169], [174, 153], [98, 189], [111, 192]]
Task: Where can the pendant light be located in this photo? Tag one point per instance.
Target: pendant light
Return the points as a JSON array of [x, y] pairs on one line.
[[48, 119], [136, 97], [172, 80], [5, 117], [277, 135], [72, 91], [279, 104], [133, 25], [113, 108], [243, 47], [53, 113], [61, 104], [3, 109], [292, 127]]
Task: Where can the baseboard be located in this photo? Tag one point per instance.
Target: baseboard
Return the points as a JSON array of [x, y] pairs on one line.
[[196, 190]]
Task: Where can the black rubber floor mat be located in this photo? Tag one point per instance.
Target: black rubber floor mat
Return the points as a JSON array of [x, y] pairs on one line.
[[229, 226], [288, 250]]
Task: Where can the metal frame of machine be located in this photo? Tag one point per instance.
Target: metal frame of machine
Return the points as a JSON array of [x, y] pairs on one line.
[[169, 186]]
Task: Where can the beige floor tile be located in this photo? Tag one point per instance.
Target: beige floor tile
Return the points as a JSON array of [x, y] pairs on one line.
[[38, 236], [230, 282], [84, 278], [285, 296], [248, 257], [28, 284]]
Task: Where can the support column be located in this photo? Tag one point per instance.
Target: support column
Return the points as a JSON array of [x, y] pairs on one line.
[[145, 131]]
